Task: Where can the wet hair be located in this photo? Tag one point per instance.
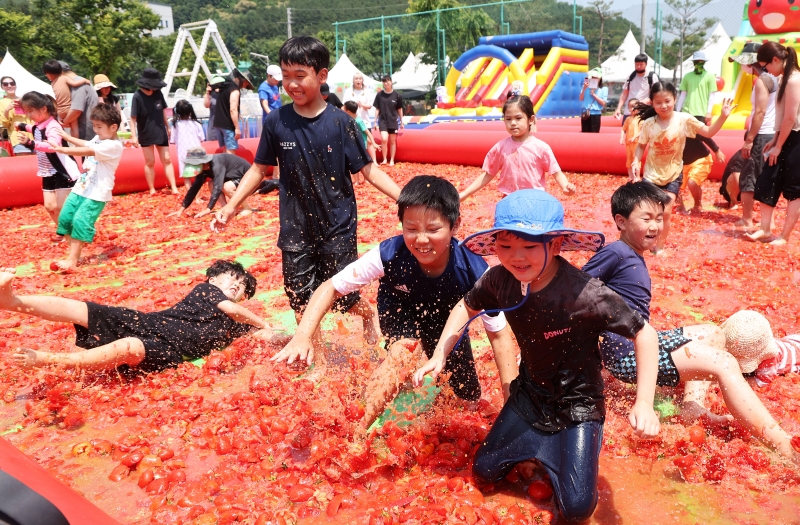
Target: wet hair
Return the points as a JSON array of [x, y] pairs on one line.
[[523, 102], [107, 114], [646, 110], [234, 268], [52, 67], [305, 51], [351, 106], [633, 194], [434, 193], [770, 50], [183, 111], [35, 100]]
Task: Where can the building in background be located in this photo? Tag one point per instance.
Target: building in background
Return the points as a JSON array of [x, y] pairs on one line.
[[166, 26]]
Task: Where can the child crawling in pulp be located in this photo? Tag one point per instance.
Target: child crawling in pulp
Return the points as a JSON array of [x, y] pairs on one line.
[[208, 318]]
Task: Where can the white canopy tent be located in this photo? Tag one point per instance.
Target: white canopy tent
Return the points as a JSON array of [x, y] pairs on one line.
[[619, 66], [25, 81], [414, 75], [715, 48], [340, 77]]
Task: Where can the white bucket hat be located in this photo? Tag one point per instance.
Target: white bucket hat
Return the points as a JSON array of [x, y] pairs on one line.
[[748, 337], [699, 55]]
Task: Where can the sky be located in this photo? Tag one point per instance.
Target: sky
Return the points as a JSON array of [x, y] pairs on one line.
[[729, 12]]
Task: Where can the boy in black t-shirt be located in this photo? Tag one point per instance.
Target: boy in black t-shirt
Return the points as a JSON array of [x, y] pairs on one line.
[[206, 319], [556, 408], [318, 147]]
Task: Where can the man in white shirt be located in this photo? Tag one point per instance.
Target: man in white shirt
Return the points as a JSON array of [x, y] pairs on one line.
[[637, 86]]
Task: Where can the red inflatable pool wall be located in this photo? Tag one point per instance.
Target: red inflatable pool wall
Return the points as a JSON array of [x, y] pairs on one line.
[[75, 507], [19, 185]]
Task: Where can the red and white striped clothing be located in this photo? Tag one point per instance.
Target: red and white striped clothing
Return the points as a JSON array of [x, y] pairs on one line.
[[785, 362]]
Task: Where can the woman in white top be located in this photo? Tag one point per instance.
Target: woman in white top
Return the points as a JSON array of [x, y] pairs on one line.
[[781, 175], [358, 93]]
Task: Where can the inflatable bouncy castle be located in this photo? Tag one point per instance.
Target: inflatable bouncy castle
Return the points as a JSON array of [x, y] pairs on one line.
[[548, 66], [771, 20]]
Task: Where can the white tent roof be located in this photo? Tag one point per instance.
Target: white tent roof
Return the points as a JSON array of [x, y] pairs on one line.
[[619, 66], [342, 75], [413, 75], [715, 48], [25, 81]]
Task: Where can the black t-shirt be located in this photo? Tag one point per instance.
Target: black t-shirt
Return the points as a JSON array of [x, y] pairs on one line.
[[333, 100], [735, 164], [388, 104], [148, 110], [222, 113], [557, 330], [196, 326], [317, 156], [224, 167], [696, 148]]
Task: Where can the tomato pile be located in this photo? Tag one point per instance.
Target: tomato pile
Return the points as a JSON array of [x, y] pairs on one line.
[[240, 439]]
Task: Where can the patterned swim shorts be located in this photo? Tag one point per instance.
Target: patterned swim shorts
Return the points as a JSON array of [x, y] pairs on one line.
[[668, 341]]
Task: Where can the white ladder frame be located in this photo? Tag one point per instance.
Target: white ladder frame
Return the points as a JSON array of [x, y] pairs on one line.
[[184, 35]]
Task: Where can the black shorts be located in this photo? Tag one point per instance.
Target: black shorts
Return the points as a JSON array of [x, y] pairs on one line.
[[755, 165], [57, 181], [303, 272], [164, 145], [783, 177], [673, 187], [111, 323], [384, 126]]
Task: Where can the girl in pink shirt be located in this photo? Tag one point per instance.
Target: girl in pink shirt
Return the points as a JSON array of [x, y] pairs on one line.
[[58, 171], [522, 160], [187, 133]]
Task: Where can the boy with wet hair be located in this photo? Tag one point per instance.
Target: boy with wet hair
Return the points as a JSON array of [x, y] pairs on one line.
[[318, 148], [422, 273], [207, 319], [556, 407], [691, 353]]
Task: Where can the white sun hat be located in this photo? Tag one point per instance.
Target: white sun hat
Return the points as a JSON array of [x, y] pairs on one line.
[[748, 337]]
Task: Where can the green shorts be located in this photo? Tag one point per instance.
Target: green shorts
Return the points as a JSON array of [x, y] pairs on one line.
[[78, 216]]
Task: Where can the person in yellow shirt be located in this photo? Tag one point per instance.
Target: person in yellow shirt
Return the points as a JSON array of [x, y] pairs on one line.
[[11, 113]]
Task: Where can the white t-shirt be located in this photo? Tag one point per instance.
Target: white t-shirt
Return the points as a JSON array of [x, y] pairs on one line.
[[360, 97], [772, 84], [638, 88], [97, 178], [369, 267]]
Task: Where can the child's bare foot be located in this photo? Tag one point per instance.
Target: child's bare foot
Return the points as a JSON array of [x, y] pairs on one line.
[[742, 223], [383, 162], [65, 265], [152, 191], [391, 163], [760, 236], [696, 210], [779, 241], [371, 334], [25, 357], [6, 293]]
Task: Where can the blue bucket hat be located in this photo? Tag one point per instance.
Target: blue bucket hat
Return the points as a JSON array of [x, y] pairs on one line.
[[532, 213]]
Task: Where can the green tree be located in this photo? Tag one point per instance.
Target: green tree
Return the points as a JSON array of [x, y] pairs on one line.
[[689, 30], [602, 10], [18, 30], [461, 27], [101, 35]]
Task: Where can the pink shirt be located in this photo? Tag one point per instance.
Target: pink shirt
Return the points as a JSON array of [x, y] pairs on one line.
[[522, 165], [784, 363]]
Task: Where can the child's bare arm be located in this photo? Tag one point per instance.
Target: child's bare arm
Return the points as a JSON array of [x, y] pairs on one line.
[[636, 163], [566, 186], [481, 181], [81, 152], [72, 140], [77, 81], [505, 357], [459, 316], [378, 178], [643, 418], [622, 136], [710, 131], [240, 314], [301, 347]]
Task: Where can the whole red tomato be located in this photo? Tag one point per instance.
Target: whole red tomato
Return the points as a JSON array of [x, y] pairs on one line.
[[540, 490]]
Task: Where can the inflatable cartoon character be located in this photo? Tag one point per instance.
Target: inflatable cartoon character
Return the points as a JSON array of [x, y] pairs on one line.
[[774, 16]]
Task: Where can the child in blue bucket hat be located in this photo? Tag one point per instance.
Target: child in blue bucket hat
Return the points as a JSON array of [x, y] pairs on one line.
[[555, 407]]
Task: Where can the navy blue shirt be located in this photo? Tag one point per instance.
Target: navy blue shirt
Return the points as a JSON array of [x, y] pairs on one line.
[[624, 271], [411, 304], [316, 156]]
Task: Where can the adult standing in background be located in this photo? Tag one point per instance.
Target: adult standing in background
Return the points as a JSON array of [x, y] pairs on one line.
[[83, 101], [210, 102], [358, 94], [388, 117], [330, 98], [637, 86], [696, 90], [104, 89], [269, 92], [760, 133], [593, 102], [11, 113], [226, 116]]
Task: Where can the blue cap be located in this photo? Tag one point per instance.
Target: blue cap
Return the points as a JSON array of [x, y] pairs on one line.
[[532, 214]]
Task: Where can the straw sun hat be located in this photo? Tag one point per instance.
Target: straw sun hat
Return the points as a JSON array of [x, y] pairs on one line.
[[102, 81], [748, 337]]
